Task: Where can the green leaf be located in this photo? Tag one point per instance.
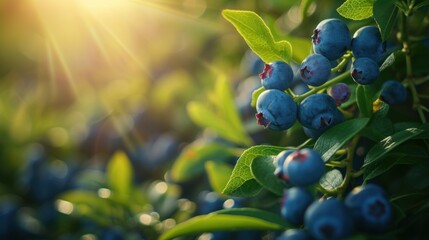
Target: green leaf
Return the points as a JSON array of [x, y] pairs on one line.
[[334, 138], [356, 9], [388, 62], [218, 174], [263, 171], [193, 157], [120, 175], [255, 95], [242, 183], [385, 14], [380, 126], [85, 203], [228, 220], [303, 8], [302, 47], [364, 99], [389, 143], [220, 114], [331, 180], [258, 36]]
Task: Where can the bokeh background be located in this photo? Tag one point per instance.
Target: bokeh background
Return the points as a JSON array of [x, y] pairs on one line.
[[93, 108]]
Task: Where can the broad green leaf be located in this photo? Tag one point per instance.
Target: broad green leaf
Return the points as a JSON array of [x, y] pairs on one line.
[[193, 157], [364, 99], [227, 220], [204, 116], [223, 99], [385, 14], [331, 180], [334, 138], [380, 126], [218, 174], [242, 183], [302, 47], [258, 36], [356, 9], [120, 175], [255, 95], [389, 143], [84, 203], [263, 171]]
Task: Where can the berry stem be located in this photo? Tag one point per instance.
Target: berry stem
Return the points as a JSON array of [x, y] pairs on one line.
[[343, 62], [409, 69], [349, 167], [328, 84]]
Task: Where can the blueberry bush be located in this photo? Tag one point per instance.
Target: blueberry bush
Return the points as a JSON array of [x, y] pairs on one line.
[[338, 149], [241, 119]]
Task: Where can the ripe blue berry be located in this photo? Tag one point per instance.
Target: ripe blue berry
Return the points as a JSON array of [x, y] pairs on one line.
[[276, 110], [370, 208], [294, 234], [367, 42], [393, 92], [279, 162], [319, 112], [295, 201], [276, 75], [331, 38], [315, 70], [328, 219], [304, 167], [364, 71], [340, 93]]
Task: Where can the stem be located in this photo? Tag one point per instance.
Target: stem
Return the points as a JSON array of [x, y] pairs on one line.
[[349, 167], [409, 70], [329, 83], [343, 62]]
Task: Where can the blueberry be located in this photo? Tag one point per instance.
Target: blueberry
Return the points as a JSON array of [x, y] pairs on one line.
[[304, 167], [319, 112], [279, 161], [364, 71], [328, 219], [295, 201], [294, 234], [276, 110], [367, 42], [370, 208], [393, 92], [331, 38], [276, 75], [340, 93], [209, 202], [315, 70]]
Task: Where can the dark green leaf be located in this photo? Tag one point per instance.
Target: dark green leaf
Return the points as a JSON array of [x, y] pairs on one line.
[[242, 183], [331, 180], [334, 138], [380, 126], [389, 143], [258, 36], [385, 14], [192, 159], [364, 99], [227, 220], [218, 174], [120, 175], [356, 9], [263, 171]]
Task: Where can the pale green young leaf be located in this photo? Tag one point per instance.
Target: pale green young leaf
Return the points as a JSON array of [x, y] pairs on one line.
[[356, 9], [120, 175], [331, 180], [228, 220], [255, 95], [242, 182], [258, 36], [194, 156], [218, 174]]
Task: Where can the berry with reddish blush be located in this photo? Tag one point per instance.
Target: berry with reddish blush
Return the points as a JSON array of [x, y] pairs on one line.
[[331, 38], [304, 167], [276, 75], [315, 70], [364, 71], [279, 161]]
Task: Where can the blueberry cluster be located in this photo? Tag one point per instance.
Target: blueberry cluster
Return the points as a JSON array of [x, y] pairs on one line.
[[278, 107], [366, 208]]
